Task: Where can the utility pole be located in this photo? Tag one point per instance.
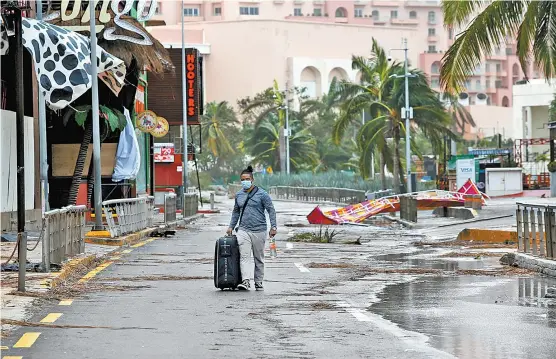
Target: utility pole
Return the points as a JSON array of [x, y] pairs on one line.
[[184, 102], [96, 125], [287, 132], [20, 139], [42, 138], [408, 115]]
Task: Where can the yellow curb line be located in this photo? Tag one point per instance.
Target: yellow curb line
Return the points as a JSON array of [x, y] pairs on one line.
[[121, 241], [66, 302], [70, 268], [95, 271], [11, 357], [488, 235]]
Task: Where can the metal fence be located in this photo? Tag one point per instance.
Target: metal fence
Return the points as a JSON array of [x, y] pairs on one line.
[[317, 194], [128, 214], [170, 207], [190, 204], [63, 234], [536, 229]]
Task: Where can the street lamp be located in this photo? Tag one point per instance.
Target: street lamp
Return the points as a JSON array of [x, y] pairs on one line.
[[287, 133], [407, 112]]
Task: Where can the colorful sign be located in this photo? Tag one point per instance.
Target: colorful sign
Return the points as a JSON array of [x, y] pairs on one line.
[[164, 152], [193, 87], [465, 169], [79, 17], [162, 127], [146, 121]]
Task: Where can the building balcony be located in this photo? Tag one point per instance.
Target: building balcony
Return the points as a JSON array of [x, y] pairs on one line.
[[499, 57], [279, 2], [432, 38], [405, 21], [427, 3], [318, 2], [193, 18], [379, 3], [298, 2], [341, 20]]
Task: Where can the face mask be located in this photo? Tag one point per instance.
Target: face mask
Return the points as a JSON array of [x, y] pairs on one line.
[[246, 184]]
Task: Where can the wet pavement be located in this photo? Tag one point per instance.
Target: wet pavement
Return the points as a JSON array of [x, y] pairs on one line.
[[384, 298]]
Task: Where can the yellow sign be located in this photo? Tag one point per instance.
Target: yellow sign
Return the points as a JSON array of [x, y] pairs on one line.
[[146, 121], [269, 170], [162, 127]]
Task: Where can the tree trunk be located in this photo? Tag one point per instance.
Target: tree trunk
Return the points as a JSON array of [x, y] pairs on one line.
[[396, 168], [403, 186], [79, 164], [382, 165]]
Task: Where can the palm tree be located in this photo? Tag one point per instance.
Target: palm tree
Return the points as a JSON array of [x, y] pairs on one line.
[[459, 114], [382, 94], [218, 122], [491, 23], [265, 143]]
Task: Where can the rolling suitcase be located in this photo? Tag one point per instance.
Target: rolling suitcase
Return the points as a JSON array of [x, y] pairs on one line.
[[227, 273]]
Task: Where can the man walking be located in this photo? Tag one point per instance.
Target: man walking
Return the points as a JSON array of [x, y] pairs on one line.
[[249, 221]]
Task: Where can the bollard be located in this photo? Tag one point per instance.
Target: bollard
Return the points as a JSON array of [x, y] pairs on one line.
[[477, 201], [212, 201], [468, 200]]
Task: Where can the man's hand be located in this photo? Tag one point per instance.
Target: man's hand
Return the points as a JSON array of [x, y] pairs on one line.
[[272, 232], [229, 231]]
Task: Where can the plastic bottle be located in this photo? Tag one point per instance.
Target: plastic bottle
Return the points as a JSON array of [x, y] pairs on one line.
[[273, 247]]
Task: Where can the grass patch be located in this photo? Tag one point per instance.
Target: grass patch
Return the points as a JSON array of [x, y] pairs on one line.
[[476, 255], [321, 235]]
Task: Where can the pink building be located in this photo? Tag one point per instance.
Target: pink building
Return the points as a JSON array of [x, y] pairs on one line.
[[248, 44]]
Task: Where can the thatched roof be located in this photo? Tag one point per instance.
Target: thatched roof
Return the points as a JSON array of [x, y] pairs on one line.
[[154, 58]]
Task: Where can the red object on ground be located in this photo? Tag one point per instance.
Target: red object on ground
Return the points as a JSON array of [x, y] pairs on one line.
[[357, 213]]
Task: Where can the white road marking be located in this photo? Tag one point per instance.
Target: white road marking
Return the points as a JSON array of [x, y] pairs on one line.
[[302, 268], [289, 245], [357, 313]]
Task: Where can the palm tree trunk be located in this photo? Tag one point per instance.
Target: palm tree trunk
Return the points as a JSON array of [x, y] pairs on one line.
[[382, 165], [396, 168], [79, 164]]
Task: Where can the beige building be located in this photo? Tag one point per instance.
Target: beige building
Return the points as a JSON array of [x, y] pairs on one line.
[[246, 45]]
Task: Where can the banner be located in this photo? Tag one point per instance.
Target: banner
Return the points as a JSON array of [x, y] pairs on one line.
[[164, 152], [465, 169]]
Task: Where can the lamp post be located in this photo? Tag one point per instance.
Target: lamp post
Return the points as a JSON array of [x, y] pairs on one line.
[[407, 113], [285, 106]]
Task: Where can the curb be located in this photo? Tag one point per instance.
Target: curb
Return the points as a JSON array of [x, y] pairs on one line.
[[189, 220], [405, 223], [488, 235], [128, 239], [70, 268]]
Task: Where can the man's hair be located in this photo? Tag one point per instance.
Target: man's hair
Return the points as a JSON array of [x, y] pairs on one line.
[[248, 170]]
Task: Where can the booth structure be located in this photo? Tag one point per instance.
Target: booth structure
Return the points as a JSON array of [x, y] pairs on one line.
[[504, 182]]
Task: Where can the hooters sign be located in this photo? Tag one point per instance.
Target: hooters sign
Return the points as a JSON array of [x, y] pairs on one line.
[[193, 86]]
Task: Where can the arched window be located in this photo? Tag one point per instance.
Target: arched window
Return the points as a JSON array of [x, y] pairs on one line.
[[341, 12], [505, 101], [435, 67]]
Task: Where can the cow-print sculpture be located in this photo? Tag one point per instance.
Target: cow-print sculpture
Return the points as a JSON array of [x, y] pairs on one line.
[[62, 63], [4, 44]]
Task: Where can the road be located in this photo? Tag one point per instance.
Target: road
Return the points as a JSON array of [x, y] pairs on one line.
[[320, 301]]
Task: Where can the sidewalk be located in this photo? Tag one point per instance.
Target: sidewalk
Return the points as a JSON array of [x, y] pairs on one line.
[[19, 306]]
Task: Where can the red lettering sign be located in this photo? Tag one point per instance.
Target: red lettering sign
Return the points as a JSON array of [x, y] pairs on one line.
[[193, 86]]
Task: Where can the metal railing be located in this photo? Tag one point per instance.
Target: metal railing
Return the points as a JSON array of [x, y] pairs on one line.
[[317, 194], [63, 234], [170, 207], [536, 229], [190, 204], [128, 214]]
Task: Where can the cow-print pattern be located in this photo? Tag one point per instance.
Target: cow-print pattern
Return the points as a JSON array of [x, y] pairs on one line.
[[63, 65], [4, 44]]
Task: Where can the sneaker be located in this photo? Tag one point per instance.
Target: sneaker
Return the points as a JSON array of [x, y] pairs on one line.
[[259, 286], [244, 285]]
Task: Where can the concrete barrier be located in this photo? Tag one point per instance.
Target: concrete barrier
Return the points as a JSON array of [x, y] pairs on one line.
[[488, 235], [190, 204], [455, 212]]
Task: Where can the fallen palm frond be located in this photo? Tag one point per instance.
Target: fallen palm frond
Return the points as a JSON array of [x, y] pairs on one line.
[[21, 323], [330, 265]]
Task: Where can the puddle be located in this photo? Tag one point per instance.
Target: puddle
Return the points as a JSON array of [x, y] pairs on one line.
[[435, 262], [476, 316]]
